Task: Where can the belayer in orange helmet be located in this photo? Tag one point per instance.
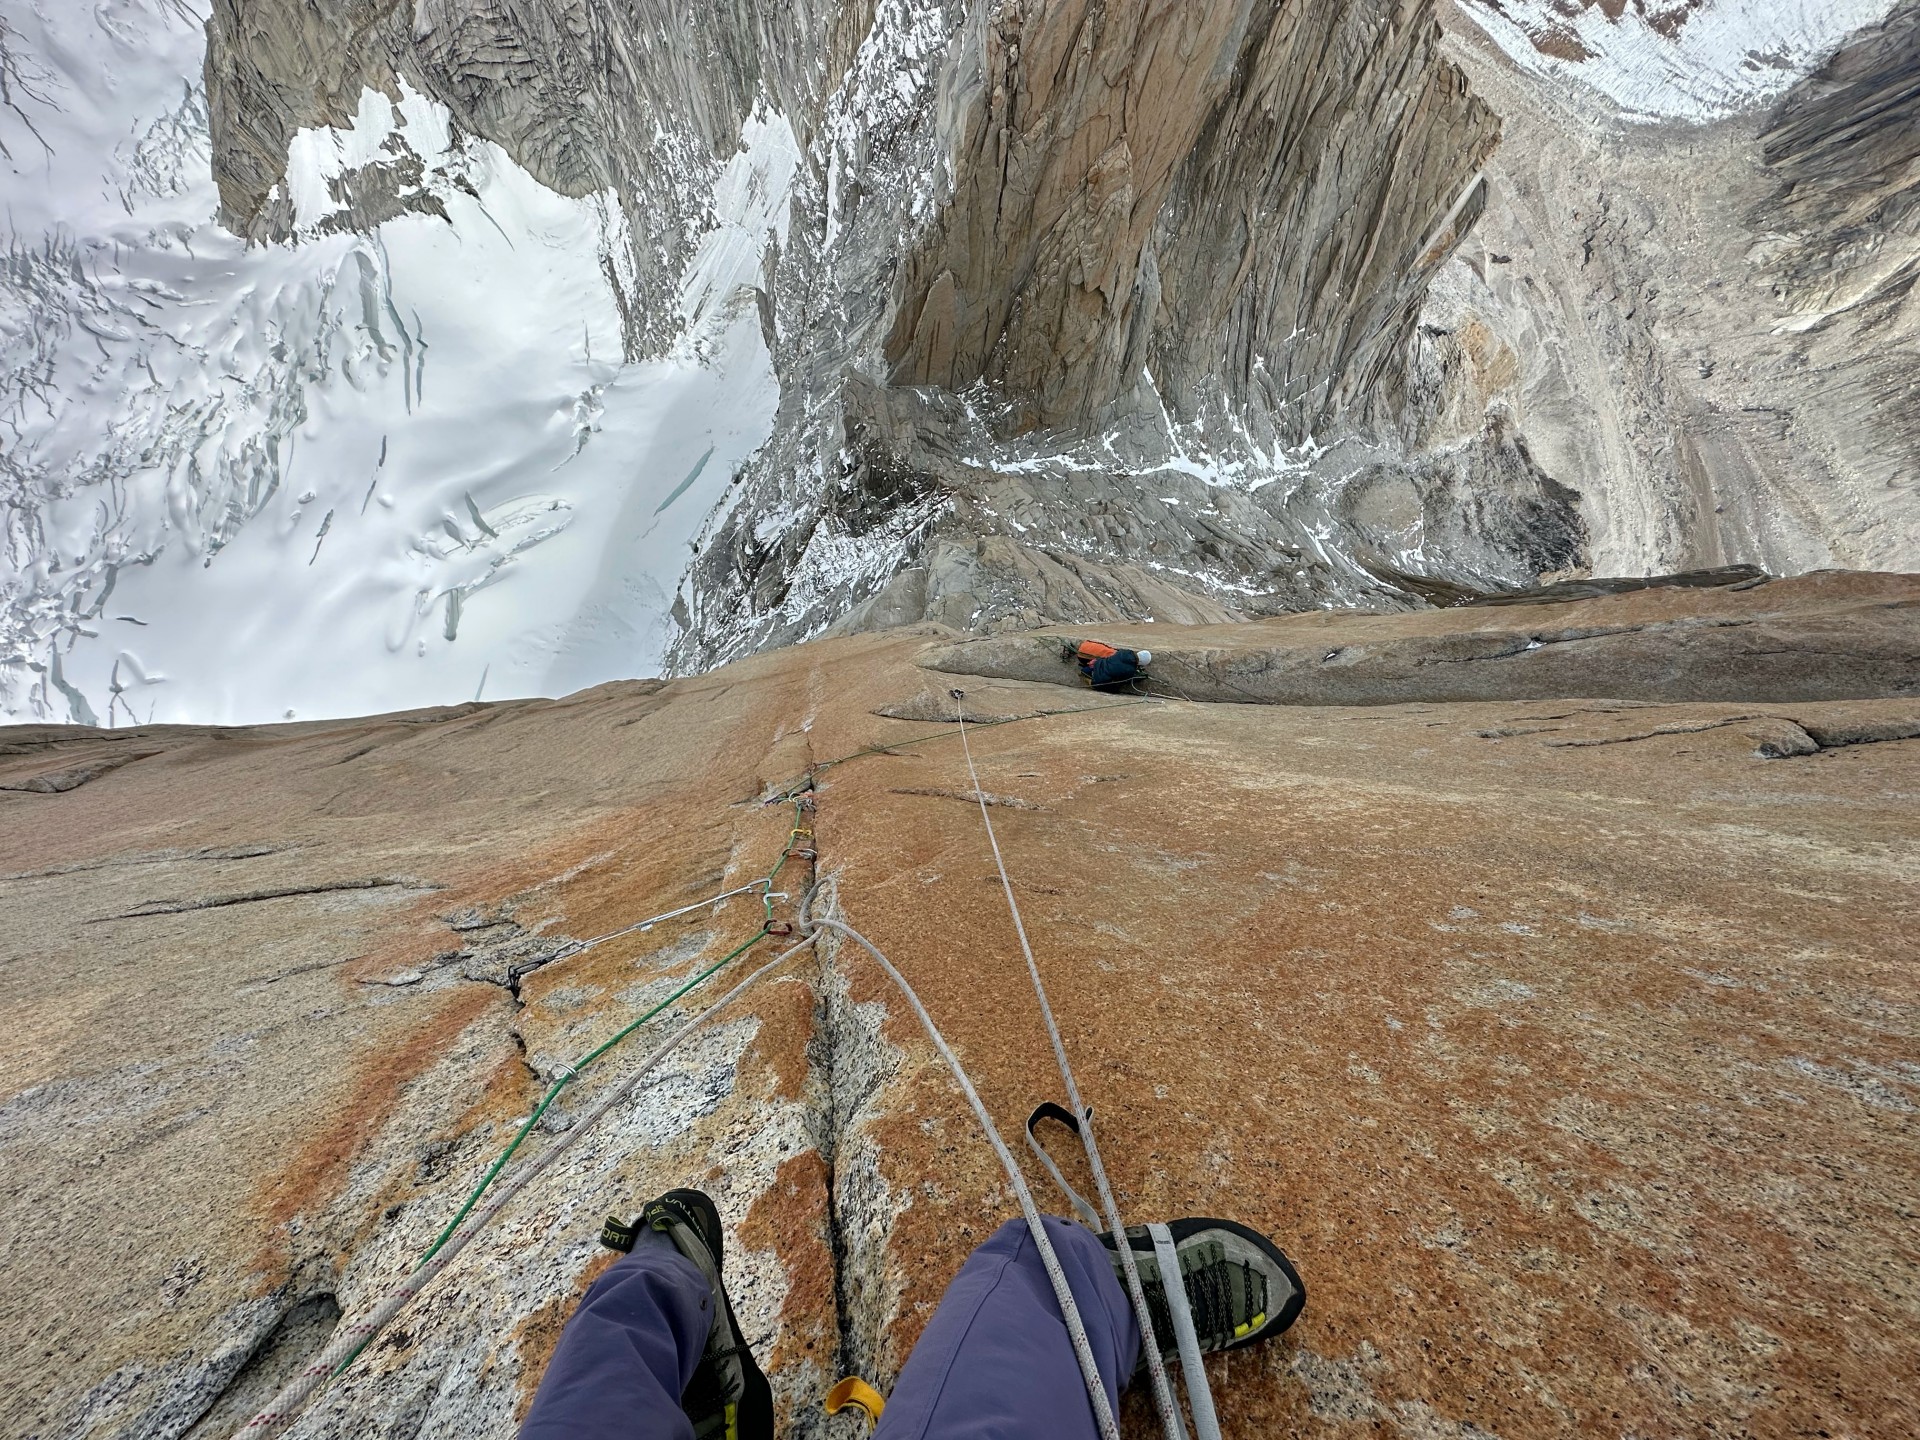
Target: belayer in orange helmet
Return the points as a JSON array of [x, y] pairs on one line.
[[1107, 667]]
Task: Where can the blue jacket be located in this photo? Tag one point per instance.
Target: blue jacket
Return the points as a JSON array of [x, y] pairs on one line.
[[1115, 670]]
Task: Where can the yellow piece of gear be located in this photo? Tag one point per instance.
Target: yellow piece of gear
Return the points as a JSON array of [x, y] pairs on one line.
[[856, 1392]]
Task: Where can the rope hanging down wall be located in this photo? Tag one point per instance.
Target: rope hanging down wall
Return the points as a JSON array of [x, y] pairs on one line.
[[1162, 1390]]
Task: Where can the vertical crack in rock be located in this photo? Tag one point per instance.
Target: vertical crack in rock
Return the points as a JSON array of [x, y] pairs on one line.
[[288, 1345], [823, 1056], [849, 1062]]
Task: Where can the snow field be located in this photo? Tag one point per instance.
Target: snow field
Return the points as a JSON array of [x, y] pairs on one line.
[[352, 474]]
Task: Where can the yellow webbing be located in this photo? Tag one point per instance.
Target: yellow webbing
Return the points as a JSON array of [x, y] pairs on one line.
[[856, 1392]]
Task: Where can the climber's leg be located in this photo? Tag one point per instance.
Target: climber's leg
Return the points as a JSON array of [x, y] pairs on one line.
[[626, 1356], [995, 1359]]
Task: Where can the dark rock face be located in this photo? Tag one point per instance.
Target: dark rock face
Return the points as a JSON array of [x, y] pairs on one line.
[[1465, 516], [1843, 146], [1146, 186], [1844, 240], [275, 67], [1323, 193], [1069, 122]]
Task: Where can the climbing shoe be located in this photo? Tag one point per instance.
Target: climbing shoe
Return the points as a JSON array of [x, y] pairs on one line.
[[1239, 1287], [728, 1397]]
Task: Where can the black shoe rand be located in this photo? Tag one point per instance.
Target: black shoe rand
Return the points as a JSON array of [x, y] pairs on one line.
[[728, 1397], [1240, 1286]]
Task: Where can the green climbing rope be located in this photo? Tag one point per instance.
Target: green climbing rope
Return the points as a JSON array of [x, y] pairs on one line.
[[794, 791], [573, 1071], [554, 1093]]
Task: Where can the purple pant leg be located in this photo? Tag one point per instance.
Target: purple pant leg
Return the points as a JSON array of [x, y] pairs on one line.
[[995, 1362], [627, 1354]]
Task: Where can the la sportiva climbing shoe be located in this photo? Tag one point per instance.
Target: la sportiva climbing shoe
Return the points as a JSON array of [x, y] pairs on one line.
[[728, 1397], [1240, 1287]]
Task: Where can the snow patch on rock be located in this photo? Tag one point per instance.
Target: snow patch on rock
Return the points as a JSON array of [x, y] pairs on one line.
[[751, 208], [1683, 64]]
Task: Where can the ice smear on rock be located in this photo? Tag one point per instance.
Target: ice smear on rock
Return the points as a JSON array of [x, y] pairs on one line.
[[353, 474]]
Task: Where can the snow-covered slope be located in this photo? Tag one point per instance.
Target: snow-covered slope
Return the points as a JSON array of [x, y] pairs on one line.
[[354, 473], [1674, 59]]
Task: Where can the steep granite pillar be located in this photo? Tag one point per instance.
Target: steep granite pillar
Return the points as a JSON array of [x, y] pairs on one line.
[[1190, 187]]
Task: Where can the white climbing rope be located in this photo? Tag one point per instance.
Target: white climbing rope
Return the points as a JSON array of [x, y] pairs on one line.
[[580, 946], [1206, 1424], [1070, 1312], [515, 973], [1162, 1390]]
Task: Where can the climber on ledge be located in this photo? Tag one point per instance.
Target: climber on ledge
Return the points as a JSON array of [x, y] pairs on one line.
[[1107, 667], [654, 1350]]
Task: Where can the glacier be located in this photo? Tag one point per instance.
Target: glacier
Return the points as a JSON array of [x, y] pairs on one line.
[[356, 472]]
